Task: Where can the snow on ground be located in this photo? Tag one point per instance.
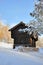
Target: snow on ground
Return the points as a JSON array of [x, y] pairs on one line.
[[6, 45], [12, 57], [19, 55]]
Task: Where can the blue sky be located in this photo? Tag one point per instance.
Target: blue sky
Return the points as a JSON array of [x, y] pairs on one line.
[[14, 11]]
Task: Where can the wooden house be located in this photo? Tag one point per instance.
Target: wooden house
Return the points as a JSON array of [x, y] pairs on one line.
[[21, 37]]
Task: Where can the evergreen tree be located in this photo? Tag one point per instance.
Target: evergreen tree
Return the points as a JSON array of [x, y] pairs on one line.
[[38, 15]]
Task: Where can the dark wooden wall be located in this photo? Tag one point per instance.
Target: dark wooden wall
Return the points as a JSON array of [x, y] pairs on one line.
[[22, 38]]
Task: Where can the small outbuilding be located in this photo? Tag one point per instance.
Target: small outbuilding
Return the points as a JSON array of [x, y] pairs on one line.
[[22, 37]]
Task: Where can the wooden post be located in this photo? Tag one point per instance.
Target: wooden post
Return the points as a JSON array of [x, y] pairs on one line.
[[33, 43], [14, 45]]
